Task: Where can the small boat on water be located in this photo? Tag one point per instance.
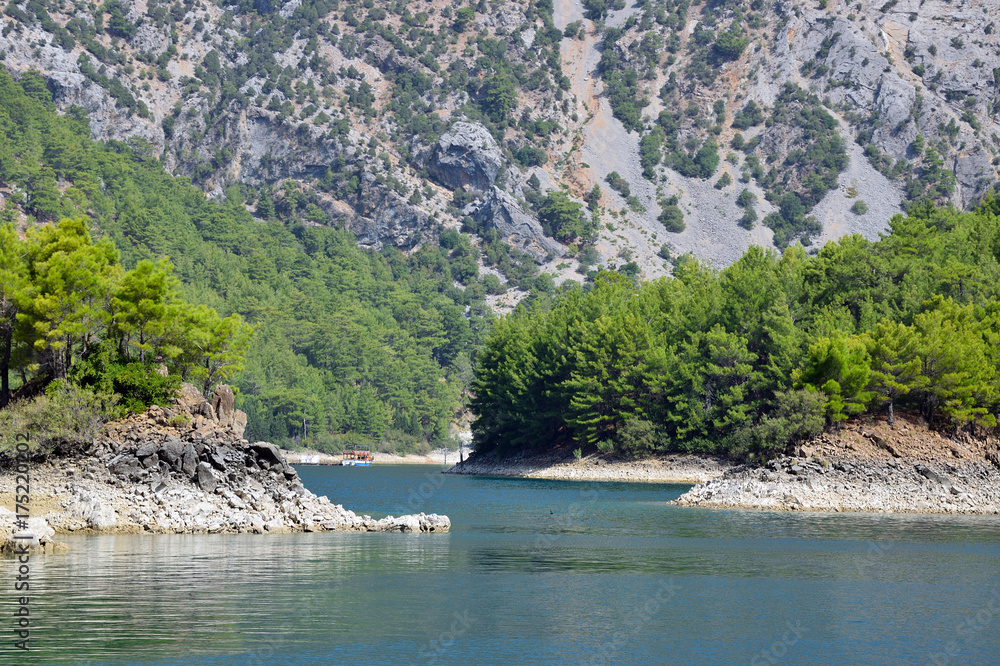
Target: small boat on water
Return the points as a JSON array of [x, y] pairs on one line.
[[358, 456]]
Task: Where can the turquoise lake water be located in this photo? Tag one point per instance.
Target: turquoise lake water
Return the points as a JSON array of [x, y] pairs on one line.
[[533, 571]]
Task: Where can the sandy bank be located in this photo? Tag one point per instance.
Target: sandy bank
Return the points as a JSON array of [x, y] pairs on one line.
[[436, 457], [675, 468]]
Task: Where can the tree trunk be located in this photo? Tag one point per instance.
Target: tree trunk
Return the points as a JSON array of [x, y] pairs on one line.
[[892, 418], [69, 356], [55, 359], [7, 341]]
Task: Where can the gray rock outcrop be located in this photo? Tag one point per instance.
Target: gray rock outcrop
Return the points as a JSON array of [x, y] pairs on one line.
[[893, 102], [224, 405], [36, 535], [503, 212], [385, 218], [466, 157], [186, 469]]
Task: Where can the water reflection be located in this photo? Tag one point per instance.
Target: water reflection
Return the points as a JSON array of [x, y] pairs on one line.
[[126, 595]]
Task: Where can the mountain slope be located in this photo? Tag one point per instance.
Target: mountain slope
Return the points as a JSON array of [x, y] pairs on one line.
[[324, 92]]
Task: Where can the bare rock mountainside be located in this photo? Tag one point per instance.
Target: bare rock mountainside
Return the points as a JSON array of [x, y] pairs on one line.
[[593, 134]]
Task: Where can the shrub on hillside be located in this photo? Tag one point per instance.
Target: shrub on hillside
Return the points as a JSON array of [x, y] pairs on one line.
[[64, 414]]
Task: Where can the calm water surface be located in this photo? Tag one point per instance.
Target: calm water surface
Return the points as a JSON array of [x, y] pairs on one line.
[[533, 572]]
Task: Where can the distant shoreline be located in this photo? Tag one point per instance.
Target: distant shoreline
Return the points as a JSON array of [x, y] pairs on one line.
[[440, 457], [869, 466], [671, 468]]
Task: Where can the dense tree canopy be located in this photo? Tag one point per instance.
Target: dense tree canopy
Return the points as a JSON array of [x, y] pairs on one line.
[[761, 354], [563, 218], [76, 314]]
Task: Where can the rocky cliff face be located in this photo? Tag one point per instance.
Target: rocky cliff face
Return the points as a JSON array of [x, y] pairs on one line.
[[902, 69], [417, 107], [501, 211]]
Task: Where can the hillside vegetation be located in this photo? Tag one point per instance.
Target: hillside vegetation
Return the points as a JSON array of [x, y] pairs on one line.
[[285, 157], [348, 342]]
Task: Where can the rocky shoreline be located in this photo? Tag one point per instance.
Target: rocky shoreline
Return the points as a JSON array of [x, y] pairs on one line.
[[871, 467], [674, 468], [179, 470]]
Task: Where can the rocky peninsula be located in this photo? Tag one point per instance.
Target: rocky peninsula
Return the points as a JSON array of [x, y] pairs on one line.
[[868, 467], [176, 470]]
